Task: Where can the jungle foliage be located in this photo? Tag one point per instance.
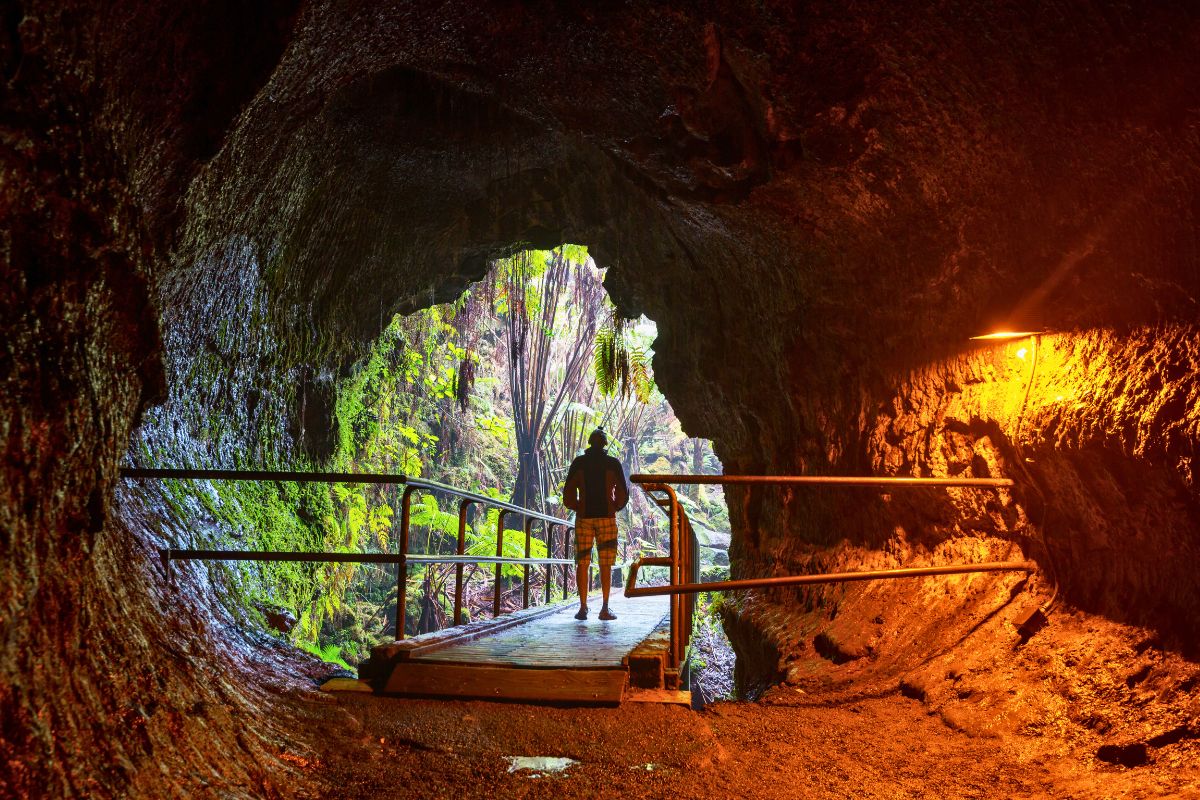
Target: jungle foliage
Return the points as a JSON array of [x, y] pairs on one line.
[[495, 393]]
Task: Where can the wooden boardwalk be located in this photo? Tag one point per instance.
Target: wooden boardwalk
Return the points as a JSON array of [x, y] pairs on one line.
[[541, 654]]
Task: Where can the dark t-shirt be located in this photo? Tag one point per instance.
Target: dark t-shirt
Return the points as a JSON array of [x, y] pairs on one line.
[[595, 463]]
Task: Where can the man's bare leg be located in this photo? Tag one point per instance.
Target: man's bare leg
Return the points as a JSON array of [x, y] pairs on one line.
[[583, 580], [605, 586]]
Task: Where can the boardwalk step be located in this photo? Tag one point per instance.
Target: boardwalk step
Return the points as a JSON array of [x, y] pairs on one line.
[[648, 661], [661, 696], [598, 686], [541, 655]]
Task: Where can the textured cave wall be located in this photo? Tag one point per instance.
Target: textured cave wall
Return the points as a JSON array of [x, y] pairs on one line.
[[1098, 429], [111, 683], [817, 204]]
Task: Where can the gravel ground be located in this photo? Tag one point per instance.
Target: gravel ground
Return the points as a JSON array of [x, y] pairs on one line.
[[712, 661], [787, 746]]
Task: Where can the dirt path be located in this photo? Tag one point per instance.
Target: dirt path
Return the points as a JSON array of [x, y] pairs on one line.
[[872, 748]]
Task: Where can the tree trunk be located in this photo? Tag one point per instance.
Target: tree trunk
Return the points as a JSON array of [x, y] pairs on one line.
[[527, 488]]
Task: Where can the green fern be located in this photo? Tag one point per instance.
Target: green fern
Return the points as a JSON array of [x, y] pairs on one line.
[[621, 366], [330, 653]]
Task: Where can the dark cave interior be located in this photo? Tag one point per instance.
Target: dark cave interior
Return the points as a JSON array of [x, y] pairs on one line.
[[819, 204]]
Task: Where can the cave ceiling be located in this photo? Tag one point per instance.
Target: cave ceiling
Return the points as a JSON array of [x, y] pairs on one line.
[[834, 187]]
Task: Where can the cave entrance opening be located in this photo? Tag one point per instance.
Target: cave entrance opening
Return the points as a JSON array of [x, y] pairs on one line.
[[496, 392]]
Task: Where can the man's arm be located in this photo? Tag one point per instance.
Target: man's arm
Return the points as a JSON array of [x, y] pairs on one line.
[[572, 490], [621, 490]]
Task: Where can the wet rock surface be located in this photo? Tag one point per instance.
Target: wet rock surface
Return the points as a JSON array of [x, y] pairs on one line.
[[817, 205]]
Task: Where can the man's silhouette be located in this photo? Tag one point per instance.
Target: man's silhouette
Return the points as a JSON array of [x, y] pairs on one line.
[[596, 490]]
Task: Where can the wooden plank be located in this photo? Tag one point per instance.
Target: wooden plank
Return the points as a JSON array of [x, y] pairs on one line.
[[428, 642], [648, 661], [492, 682], [663, 696], [648, 672], [560, 640], [540, 655]]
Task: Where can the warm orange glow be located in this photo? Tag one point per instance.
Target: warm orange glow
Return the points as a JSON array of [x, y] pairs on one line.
[[999, 335]]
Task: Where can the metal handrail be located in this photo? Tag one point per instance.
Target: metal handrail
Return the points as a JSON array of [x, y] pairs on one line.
[[186, 554], [384, 478], [683, 559], [831, 577], [824, 480], [403, 557], [476, 497]]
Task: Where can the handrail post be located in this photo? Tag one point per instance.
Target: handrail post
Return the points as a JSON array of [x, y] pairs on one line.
[[549, 554], [528, 551], [673, 563], [693, 575], [499, 566], [567, 554], [400, 559], [673, 554], [677, 558], [402, 564], [461, 550]]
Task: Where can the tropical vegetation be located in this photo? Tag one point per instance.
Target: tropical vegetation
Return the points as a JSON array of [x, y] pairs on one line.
[[494, 393]]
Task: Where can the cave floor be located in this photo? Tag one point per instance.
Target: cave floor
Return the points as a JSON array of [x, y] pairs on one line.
[[783, 747]]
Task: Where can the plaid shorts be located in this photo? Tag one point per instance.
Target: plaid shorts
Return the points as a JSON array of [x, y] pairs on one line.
[[603, 532]]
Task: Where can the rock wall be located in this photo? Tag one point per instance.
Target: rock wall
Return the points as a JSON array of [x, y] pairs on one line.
[[1097, 428], [818, 204], [113, 682]]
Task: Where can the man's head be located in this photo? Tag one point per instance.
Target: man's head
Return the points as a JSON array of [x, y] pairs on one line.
[[598, 438]]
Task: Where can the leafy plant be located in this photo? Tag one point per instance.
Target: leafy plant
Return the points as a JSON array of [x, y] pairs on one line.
[[330, 654], [482, 542], [621, 366], [496, 393]]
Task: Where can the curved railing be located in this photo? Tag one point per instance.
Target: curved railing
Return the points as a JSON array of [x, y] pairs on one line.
[[402, 558]]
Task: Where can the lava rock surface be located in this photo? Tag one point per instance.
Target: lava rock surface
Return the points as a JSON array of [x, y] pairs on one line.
[[818, 204]]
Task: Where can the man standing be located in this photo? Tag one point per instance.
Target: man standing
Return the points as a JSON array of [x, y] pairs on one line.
[[596, 490]]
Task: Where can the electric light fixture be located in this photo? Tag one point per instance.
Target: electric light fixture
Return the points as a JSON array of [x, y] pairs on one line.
[[1004, 335]]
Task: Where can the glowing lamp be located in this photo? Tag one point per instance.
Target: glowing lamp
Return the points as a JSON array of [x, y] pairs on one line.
[[1003, 335]]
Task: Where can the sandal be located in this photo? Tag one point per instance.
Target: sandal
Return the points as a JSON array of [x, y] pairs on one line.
[[605, 614], [581, 614]]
